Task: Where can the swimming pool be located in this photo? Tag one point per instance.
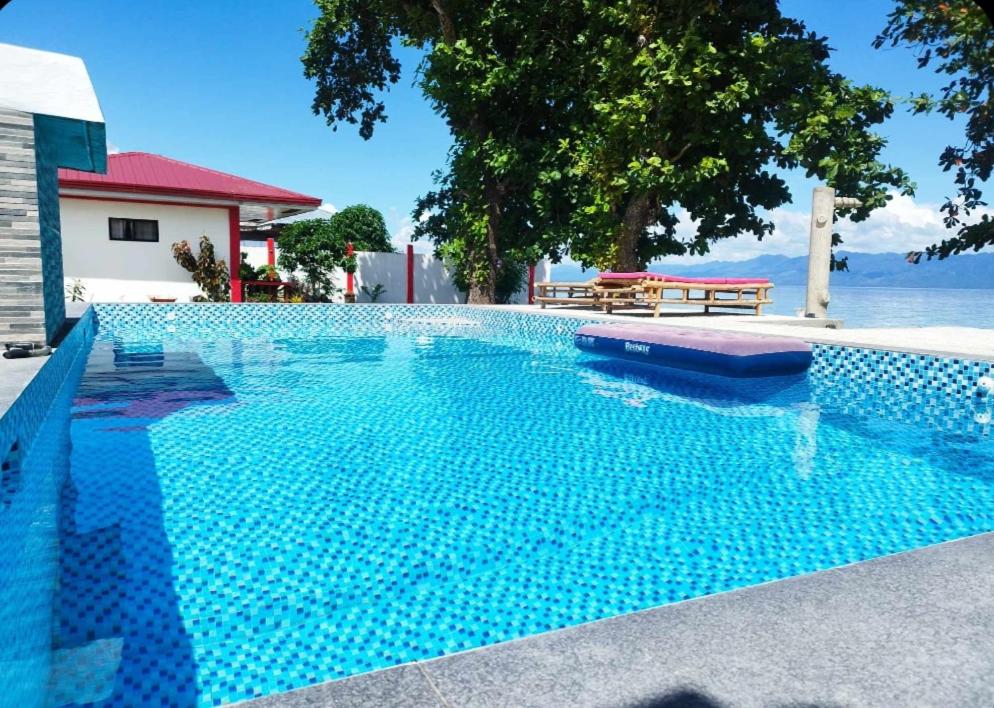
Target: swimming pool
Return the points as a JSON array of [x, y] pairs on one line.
[[240, 500]]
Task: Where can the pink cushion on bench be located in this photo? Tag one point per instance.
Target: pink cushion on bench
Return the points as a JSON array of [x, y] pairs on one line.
[[645, 275], [642, 275], [716, 281]]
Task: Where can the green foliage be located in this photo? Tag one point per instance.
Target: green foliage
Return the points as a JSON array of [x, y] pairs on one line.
[[486, 71], [264, 272], [76, 290], [364, 227], [374, 292], [957, 39], [701, 107], [316, 247], [510, 273], [311, 247], [210, 275], [245, 269], [586, 126]]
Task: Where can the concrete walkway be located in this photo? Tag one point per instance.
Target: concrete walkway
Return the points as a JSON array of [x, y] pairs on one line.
[[15, 375], [913, 629]]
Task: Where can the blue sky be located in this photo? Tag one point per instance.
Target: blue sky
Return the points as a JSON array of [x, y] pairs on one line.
[[220, 84]]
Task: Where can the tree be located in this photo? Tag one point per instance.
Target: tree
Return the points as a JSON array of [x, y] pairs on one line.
[[312, 247], [957, 39], [363, 226], [488, 71], [210, 275], [317, 247], [586, 125], [700, 105]]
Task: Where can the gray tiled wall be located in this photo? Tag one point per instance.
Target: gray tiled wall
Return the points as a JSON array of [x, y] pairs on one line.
[[22, 314]]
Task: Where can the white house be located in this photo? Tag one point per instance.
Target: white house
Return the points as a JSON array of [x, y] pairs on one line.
[[118, 228]]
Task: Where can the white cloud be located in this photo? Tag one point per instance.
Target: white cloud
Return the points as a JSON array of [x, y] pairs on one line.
[[403, 234], [900, 226], [405, 230], [112, 149]]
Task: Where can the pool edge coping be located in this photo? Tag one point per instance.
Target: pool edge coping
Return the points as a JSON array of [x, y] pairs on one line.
[[599, 632]]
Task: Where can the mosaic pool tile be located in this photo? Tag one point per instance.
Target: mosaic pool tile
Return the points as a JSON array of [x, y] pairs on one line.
[[263, 497]]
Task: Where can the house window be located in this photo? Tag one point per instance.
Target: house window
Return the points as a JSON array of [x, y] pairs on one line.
[[134, 230]]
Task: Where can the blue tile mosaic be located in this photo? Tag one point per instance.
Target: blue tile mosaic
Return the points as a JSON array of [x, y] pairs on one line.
[[263, 497], [34, 462]]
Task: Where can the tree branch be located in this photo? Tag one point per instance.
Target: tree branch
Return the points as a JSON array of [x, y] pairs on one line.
[[448, 30]]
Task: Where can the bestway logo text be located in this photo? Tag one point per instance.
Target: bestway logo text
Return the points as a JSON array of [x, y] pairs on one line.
[[636, 348]]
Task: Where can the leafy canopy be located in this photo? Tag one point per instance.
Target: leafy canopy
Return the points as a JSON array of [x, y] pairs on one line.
[[488, 70], [363, 226], [956, 38], [585, 127], [317, 247], [702, 106]]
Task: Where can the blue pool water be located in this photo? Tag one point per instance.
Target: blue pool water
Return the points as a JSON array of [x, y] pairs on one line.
[[253, 511]]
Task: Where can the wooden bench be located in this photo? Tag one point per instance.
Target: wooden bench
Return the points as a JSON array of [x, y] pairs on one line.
[[749, 296], [565, 293]]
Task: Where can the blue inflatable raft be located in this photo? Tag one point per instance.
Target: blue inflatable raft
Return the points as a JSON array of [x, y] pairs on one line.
[[722, 353]]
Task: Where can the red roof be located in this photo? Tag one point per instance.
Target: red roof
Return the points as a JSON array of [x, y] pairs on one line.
[[145, 173]]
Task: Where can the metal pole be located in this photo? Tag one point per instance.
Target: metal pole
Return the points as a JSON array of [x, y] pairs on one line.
[[820, 252]]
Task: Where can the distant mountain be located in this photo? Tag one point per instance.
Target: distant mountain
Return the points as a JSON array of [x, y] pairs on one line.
[[882, 270]]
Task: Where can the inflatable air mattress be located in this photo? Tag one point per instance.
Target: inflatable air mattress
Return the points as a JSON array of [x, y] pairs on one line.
[[722, 353]]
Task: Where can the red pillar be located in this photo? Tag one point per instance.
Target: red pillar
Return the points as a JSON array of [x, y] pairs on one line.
[[410, 274], [271, 251], [349, 277], [235, 253], [531, 284]]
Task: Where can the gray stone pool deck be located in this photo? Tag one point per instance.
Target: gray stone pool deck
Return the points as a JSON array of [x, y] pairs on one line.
[[15, 375], [912, 629]]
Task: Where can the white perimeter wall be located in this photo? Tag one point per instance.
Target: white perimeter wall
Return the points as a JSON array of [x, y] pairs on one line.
[[432, 280], [134, 271]]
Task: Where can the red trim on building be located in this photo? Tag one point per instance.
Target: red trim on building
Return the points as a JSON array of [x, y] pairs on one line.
[[235, 253], [410, 274], [531, 284], [139, 200], [271, 251], [145, 173]]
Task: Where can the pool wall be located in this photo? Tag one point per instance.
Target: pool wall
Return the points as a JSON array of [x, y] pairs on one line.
[[34, 448], [935, 390]]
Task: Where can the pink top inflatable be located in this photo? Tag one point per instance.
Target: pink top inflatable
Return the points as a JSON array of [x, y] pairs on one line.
[[723, 353]]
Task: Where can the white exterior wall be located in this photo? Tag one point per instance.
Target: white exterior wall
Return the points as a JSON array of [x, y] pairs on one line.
[[134, 271], [255, 252], [432, 280]]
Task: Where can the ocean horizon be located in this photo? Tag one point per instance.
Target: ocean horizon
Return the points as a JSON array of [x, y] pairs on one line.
[[868, 306]]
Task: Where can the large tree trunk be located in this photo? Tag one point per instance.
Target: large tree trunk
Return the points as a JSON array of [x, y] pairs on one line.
[[633, 225], [484, 292]]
